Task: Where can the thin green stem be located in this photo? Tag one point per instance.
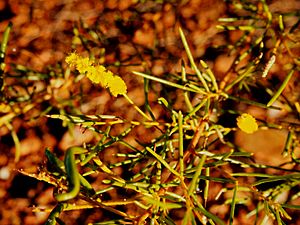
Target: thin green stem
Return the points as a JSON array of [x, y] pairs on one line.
[[180, 131], [249, 70], [137, 108], [233, 202], [160, 159], [72, 173], [193, 64], [211, 75], [206, 188], [193, 184], [281, 88], [185, 88]]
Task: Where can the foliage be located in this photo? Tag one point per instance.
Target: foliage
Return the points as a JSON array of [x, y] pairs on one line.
[[192, 150]]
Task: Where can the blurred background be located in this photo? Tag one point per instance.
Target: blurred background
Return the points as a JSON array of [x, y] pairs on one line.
[[125, 35]]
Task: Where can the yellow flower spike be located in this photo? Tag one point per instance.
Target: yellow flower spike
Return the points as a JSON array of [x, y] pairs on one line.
[[83, 64], [108, 76], [72, 59], [93, 74], [247, 123], [98, 74], [117, 86]]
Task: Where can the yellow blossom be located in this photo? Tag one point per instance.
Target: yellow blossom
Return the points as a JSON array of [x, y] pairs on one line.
[[102, 74], [72, 59], [247, 123], [98, 74], [117, 86], [93, 74], [108, 75], [83, 64]]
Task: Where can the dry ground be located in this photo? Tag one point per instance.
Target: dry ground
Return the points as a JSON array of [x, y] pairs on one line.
[[147, 34]]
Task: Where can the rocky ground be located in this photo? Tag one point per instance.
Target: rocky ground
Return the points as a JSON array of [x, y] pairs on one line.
[[135, 36]]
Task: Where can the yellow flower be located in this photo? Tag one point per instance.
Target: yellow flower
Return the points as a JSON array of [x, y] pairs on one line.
[[247, 123], [117, 86], [83, 64], [93, 74], [108, 75], [72, 59], [98, 74]]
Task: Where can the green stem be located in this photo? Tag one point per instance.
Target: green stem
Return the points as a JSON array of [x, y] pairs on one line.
[[193, 64], [72, 173], [137, 108], [280, 90]]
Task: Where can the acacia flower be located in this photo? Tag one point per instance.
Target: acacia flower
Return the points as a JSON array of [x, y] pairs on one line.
[[117, 86], [72, 59], [247, 123], [98, 74], [82, 64]]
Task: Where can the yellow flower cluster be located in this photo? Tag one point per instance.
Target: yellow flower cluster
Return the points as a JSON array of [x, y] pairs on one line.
[[247, 123], [98, 74]]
